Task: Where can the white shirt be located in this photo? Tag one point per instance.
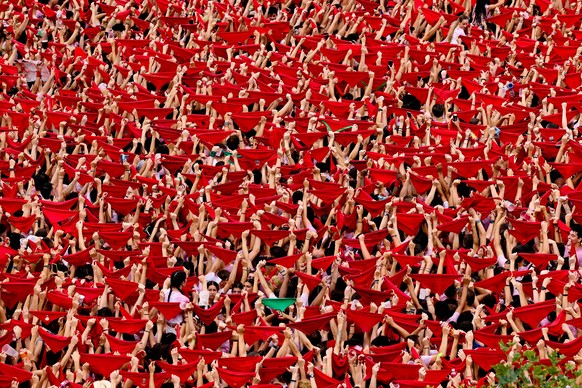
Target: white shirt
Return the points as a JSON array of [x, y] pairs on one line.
[[456, 34]]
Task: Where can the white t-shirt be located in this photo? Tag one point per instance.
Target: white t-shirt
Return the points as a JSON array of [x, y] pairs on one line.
[[456, 34]]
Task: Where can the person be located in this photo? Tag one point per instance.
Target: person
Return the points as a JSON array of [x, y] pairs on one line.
[[174, 294], [460, 29]]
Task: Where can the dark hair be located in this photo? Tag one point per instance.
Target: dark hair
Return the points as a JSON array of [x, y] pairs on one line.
[[232, 142], [176, 281], [213, 283], [577, 229], [438, 110]]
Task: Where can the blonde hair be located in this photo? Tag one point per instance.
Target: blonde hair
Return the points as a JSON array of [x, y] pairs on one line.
[[304, 384]]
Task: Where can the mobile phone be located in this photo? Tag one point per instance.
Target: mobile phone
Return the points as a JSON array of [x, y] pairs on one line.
[[123, 158]]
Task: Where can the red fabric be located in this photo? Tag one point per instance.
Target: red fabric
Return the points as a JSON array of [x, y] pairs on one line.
[[364, 320], [142, 380], [534, 313], [437, 283], [122, 288], [485, 357], [287, 261], [225, 255], [127, 326], [409, 223], [240, 364], [247, 318], [104, 364], [524, 231], [212, 341], [48, 316], [119, 345], [14, 373], [207, 316], [309, 280], [270, 237], [373, 296], [308, 326], [235, 379], [116, 240], [195, 355], [169, 309], [56, 343], [263, 333], [183, 371]]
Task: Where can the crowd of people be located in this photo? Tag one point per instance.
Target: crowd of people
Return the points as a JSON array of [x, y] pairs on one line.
[[294, 193]]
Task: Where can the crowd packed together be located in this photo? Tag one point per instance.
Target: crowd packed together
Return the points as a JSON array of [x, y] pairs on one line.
[[290, 193]]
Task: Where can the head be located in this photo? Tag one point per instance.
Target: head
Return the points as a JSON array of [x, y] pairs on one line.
[[575, 235], [237, 288], [463, 21], [270, 267], [438, 110], [178, 279], [248, 286], [212, 289]]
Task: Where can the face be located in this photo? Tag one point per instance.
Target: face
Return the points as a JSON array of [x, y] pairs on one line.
[[212, 290], [248, 287], [573, 238], [464, 24], [236, 290]]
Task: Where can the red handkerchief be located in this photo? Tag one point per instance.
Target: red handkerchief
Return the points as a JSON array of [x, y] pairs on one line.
[[240, 364], [409, 223], [183, 371], [212, 341], [372, 296], [310, 281], [364, 320], [287, 261], [169, 309], [56, 343], [142, 380], [247, 318], [116, 240], [455, 226], [308, 326], [195, 355], [14, 373], [48, 316], [323, 263], [121, 346], [525, 231], [235, 379], [261, 333], [438, 283], [104, 364], [485, 357], [534, 313], [122, 288], [540, 260], [225, 255], [208, 315], [127, 326], [270, 237]]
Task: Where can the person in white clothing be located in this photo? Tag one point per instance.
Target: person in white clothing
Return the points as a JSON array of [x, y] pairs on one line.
[[174, 295], [460, 29]]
